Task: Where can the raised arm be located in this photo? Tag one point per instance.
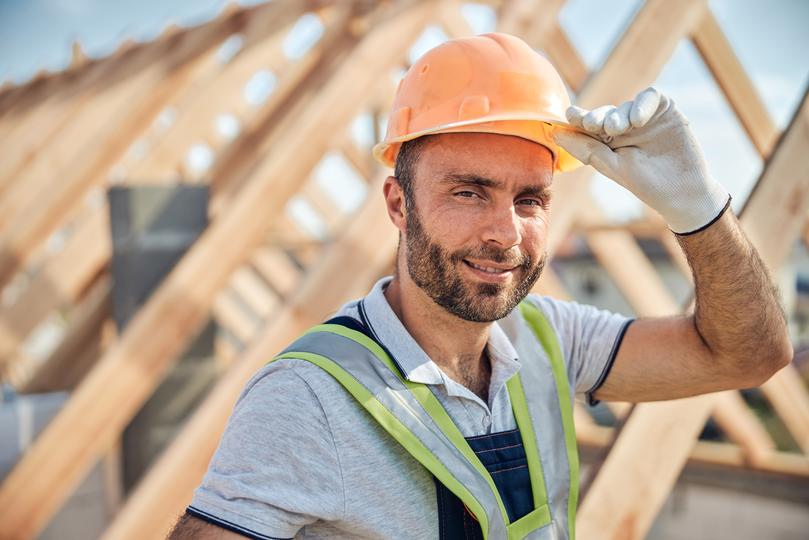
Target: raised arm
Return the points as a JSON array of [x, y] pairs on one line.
[[737, 336]]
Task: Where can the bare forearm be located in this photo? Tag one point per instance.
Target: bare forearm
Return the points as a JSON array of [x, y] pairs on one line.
[[738, 312]]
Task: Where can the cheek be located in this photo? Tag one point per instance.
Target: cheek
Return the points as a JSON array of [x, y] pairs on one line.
[[535, 233]]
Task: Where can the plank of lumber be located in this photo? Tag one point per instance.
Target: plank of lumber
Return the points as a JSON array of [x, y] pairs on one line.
[[66, 366], [254, 292], [120, 87], [557, 45], [18, 106], [53, 185], [128, 373], [68, 272], [298, 85], [644, 49], [233, 317], [708, 453], [363, 161], [263, 37], [35, 132], [58, 283], [528, 18], [787, 393], [277, 269], [654, 443], [88, 248], [735, 84]]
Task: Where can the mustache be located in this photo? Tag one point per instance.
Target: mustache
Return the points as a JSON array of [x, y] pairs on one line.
[[511, 257]]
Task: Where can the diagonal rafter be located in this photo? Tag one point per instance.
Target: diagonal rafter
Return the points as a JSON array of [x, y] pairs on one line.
[[35, 203]]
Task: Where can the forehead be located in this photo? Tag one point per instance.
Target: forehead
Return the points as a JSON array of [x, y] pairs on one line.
[[501, 157]]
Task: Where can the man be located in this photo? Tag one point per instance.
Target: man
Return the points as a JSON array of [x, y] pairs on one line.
[[439, 406]]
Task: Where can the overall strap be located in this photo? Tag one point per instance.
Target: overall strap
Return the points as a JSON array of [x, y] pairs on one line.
[[546, 336]]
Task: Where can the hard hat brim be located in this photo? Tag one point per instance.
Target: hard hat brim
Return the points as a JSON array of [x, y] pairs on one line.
[[535, 128]]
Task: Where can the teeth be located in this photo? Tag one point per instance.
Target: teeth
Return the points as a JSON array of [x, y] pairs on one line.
[[488, 269]]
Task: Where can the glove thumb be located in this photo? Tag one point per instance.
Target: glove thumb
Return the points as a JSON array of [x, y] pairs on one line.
[[589, 151]]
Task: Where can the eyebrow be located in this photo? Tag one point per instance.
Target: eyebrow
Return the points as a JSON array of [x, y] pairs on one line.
[[482, 181]]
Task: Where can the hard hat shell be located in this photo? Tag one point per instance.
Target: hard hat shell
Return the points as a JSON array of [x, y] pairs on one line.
[[491, 83]]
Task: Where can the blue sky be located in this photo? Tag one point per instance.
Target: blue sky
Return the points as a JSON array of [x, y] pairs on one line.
[[770, 38]]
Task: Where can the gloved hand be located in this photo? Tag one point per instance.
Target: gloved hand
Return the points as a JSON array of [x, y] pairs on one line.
[[647, 146]]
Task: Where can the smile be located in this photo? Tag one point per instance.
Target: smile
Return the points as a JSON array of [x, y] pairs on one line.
[[488, 269], [491, 270]]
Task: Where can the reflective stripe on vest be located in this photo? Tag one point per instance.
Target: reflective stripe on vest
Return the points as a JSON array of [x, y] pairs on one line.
[[414, 417]]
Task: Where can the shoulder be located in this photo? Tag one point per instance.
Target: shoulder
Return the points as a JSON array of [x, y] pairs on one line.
[[570, 317], [289, 384]]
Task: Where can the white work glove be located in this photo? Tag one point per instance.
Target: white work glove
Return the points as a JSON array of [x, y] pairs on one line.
[[646, 146]]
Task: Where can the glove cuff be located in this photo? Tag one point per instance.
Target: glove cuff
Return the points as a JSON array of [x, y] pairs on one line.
[[695, 213], [714, 220]]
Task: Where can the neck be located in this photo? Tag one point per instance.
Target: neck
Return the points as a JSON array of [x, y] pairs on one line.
[[457, 346]]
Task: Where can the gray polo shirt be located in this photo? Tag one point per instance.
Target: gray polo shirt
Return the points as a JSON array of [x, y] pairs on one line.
[[300, 458]]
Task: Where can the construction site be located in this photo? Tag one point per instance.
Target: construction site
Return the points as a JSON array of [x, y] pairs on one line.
[[175, 213]]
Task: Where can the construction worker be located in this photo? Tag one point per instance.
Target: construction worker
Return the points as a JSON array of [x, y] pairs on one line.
[[440, 404]]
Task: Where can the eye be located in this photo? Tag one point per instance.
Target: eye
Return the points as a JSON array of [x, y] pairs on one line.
[[466, 194], [532, 202]]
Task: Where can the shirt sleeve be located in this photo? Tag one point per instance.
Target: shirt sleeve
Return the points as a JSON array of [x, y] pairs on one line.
[[276, 468], [589, 338]]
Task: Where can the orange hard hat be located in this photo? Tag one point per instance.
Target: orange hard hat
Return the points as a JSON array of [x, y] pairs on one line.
[[491, 83]]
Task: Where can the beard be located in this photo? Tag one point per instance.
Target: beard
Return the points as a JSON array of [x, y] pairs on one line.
[[434, 270]]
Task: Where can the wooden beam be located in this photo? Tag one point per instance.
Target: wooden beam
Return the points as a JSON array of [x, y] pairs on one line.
[[32, 133], [708, 453], [129, 372], [556, 44], [253, 292], [788, 396], [735, 84], [644, 49], [632, 272], [53, 185], [528, 19], [263, 37], [299, 84], [657, 437], [79, 349], [63, 278], [67, 273], [277, 269]]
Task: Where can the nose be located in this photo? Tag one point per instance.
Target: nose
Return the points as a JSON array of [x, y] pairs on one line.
[[503, 227]]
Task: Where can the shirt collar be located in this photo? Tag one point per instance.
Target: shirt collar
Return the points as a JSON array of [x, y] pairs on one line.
[[416, 364]]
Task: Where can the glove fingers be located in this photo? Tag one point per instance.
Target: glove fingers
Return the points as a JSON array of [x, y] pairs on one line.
[[575, 114], [617, 121], [594, 120], [589, 151], [644, 106]]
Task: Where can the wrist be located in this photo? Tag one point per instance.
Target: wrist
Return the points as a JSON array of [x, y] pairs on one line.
[[714, 220]]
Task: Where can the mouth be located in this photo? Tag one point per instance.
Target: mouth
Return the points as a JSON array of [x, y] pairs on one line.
[[489, 271]]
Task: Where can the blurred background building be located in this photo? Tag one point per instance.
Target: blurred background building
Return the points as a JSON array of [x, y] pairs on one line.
[[185, 186]]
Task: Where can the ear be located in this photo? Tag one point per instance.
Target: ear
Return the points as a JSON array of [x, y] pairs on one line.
[[395, 202]]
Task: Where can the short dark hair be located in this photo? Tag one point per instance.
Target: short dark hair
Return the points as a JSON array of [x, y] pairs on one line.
[[405, 169]]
